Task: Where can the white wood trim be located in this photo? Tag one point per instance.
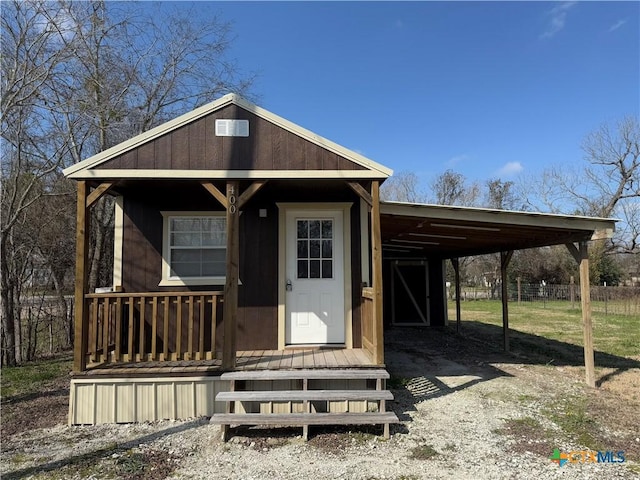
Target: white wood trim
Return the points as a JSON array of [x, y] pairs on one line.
[[503, 217], [223, 174], [348, 276], [283, 208], [118, 232], [282, 266], [365, 254], [222, 102], [166, 280]]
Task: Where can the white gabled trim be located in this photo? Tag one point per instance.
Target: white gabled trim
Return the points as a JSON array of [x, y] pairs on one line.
[[118, 242], [228, 174], [149, 135], [94, 161]]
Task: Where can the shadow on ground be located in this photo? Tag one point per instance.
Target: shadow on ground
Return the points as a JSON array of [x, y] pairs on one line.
[[432, 362], [95, 456]]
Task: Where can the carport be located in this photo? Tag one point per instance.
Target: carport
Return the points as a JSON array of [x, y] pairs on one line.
[[420, 234]]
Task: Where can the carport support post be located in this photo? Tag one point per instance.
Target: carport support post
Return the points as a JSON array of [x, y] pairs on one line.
[[581, 255], [505, 258], [376, 265], [456, 269]]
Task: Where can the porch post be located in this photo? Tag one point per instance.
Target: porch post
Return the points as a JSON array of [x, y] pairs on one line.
[[376, 265], [82, 236], [581, 255], [456, 269], [230, 305], [505, 258]]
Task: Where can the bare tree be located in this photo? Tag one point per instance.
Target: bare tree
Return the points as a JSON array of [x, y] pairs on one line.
[[78, 78], [30, 62], [501, 195], [452, 188], [403, 187], [608, 186]]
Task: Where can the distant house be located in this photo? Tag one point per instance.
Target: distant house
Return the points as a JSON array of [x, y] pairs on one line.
[[253, 255]]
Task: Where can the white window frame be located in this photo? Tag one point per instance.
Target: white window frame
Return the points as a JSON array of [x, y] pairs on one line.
[[167, 280]]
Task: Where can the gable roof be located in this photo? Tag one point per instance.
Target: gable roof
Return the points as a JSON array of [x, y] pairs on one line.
[[93, 167]]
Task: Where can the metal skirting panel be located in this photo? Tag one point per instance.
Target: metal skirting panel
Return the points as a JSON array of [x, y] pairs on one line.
[[125, 400]]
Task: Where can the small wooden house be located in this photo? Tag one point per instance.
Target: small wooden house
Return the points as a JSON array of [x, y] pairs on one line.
[[249, 256]]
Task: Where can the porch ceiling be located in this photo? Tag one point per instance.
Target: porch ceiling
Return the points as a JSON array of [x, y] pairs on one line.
[[410, 230]]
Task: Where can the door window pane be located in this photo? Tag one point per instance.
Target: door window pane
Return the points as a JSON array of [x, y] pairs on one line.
[[327, 229], [303, 269], [303, 249], [314, 229], [303, 229], [314, 269], [314, 247], [327, 269]]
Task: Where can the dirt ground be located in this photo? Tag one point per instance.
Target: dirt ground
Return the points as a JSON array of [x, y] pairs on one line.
[[467, 410]]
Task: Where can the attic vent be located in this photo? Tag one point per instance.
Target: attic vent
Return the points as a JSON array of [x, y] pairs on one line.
[[232, 128]]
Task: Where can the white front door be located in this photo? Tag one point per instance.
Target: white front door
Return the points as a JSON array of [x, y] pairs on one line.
[[314, 277]]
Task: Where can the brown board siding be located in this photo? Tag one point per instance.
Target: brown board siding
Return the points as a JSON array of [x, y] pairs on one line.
[[196, 147], [258, 294]]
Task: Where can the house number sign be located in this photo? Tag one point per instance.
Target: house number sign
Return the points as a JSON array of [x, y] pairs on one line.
[[233, 208]]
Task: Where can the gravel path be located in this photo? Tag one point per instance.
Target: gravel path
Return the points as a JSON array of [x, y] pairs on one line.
[[454, 410]]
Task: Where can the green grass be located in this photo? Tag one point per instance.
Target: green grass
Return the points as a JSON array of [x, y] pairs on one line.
[[28, 378], [571, 415], [613, 334], [423, 452]]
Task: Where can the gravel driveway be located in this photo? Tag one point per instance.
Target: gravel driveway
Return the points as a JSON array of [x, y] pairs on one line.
[[466, 411]]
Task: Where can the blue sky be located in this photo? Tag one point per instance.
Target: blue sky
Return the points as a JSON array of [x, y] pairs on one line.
[[489, 89]]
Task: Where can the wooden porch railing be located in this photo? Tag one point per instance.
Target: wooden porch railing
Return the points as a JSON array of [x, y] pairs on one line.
[[368, 327], [160, 326]]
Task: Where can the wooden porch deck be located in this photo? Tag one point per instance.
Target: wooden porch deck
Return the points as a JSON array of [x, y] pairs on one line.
[[288, 359]]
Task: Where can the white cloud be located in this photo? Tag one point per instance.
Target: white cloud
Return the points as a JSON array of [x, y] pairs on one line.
[[558, 19], [453, 161], [510, 169], [617, 25]]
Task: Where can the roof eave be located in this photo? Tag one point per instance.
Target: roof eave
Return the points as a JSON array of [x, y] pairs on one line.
[[605, 226]]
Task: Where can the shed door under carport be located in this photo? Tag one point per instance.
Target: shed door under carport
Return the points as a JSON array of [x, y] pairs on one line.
[[409, 292]]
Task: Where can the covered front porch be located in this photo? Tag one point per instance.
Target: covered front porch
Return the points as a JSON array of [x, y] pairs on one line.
[[218, 329]]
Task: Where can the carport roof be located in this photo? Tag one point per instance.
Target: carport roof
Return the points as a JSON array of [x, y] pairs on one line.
[[411, 229]]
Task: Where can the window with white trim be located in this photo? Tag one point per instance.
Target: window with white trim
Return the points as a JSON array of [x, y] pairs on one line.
[[195, 248]]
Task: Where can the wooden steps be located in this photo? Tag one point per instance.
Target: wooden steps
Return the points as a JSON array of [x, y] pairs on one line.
[[301, 419], [309, 374], [302, 395], [308, 392]]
